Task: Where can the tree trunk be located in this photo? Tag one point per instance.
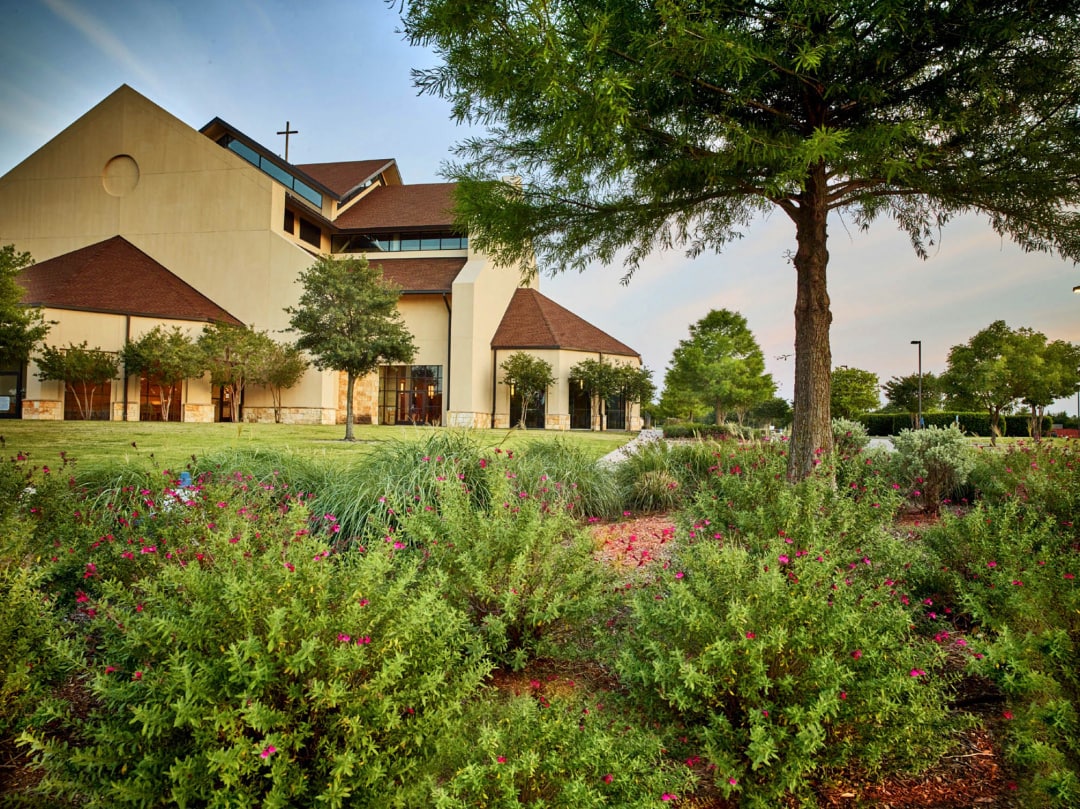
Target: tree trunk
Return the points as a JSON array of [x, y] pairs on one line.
[[349, 386], [811, 433]]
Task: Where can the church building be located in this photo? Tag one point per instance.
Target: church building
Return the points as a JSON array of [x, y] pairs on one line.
[[136, 220]]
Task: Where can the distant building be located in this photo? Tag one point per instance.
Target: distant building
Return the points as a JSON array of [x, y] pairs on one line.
[[135, 219]]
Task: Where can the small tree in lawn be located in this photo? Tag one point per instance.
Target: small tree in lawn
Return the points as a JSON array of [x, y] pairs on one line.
[[166, 357], [82, 370], [235, 356], [21, 327], [636, 386], [282, 366], [348, 321], [722, 364], [981, 371], [530, 376], [600, 379]]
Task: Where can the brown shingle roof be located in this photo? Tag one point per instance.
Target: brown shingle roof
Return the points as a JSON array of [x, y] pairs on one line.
[[117, 277], [341, 178], [392, 207], [534, 321], [420, 274]]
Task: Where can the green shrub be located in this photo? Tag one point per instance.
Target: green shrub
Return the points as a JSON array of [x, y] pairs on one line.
[[849, 437], [785, 662], [569, 751], [1012, 580], [700, 431], [518, 566], [933, 463], [254, 667]]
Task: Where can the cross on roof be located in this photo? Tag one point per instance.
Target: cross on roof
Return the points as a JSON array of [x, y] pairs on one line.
[[286, 132]]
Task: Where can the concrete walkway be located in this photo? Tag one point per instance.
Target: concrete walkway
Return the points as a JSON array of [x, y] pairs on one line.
[[630, 447]]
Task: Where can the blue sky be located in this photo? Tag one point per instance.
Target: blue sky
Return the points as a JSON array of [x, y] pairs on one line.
[[339, 72]]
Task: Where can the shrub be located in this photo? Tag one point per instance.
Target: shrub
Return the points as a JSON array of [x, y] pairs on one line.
[[934, 463], [1012, 580], [562, 471], [849, 437], [517, 566], [567, 751], [251, 666], [785, 662]]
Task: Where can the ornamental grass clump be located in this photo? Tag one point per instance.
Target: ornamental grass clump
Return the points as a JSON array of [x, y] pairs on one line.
[[518, 565], [932, 464], [561, 471], [785, 661], [250, 665]]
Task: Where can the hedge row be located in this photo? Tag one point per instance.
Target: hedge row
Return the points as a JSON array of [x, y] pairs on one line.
[[972, 423]]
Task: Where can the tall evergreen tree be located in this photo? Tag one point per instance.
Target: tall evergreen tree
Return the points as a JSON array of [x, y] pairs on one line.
[[635, 126], [721, 365]]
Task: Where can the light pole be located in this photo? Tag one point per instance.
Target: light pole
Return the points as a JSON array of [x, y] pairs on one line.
[[919, 344]]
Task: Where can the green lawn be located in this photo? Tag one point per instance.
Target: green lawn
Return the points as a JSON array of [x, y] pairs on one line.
[[100, 444]]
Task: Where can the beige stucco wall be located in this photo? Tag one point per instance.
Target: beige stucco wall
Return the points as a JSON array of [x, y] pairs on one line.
[[482, 291], [128, 167]]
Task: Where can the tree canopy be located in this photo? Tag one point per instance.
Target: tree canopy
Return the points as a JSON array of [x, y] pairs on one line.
[[902, 393], [82, 370], [166, 357], [638, 126], [853, 391], [999, 367], [348, 321], [529, 377], [721, 365], [21, 327]]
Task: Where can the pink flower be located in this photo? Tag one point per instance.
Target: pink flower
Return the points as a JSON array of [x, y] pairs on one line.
[[364, 641], [343, 638], [501, 759], [364, 602], [857, 654], [679, 575], [137, 675], [733, 781], [608, 778], [991, 563], [782, 559], [1008, 714], [667, 796], [917, 673], [750, 636], [110, 669], [268, 751]]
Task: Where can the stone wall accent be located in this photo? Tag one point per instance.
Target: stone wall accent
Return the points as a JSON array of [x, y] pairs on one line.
[[463, 419], [365, 399], [42, 410], [290, 415], [557, 421], [198, 413]]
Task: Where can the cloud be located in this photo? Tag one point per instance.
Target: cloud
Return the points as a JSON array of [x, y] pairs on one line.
[[103, 39]]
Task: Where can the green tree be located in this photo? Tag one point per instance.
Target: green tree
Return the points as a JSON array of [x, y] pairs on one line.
[[636, 386], [902, 393], [21, 327], [980, 371], [635, 126], [776, 411], [722, 365], [601, 379], [82, 370], [530, 376], [235, 355], [348, 321], [280, 366], [1043, 372], [853, 391], [166, 357]]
